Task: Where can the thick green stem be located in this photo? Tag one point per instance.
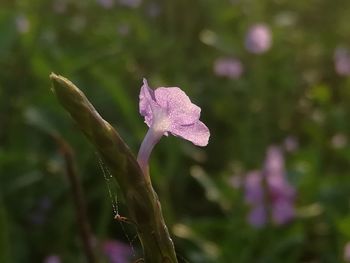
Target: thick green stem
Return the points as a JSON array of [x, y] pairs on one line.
[[142, 201]]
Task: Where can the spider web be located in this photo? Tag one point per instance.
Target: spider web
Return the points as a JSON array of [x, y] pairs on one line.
[[112, 193], [113, 196]]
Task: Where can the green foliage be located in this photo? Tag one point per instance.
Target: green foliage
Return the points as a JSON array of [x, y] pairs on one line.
[[291, 90]]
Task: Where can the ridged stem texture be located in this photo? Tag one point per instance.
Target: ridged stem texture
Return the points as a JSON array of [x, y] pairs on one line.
[[142, 201]]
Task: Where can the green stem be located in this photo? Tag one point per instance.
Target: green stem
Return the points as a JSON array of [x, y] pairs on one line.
[[78, 198], [142, 201]]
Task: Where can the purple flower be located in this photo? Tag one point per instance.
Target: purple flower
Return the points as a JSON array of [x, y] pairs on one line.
[[257, 216], [169, 110], [269, 191], [342, 61], [52, 259], [258, 39], [291, 144], [116, 251], [228, 67], [254, 196]]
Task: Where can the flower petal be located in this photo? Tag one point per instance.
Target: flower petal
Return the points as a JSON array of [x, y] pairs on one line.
[[254, 192], [147, 101], [274, 163], [179, 106], [197, 133], [282, 211], [257, 216]]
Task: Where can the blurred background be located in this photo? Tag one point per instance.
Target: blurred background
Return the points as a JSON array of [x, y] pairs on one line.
[[272, 79]]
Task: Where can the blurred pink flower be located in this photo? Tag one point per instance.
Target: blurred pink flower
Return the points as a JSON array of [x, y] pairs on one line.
[[278, 194], [169, 110], [116, 251], [258, 39], [342, 61], [257, 216], [291, 144], [59, 6], [228, 67], [22, 24], [52, 259], [339, 141], [347, 252], [106, 3]]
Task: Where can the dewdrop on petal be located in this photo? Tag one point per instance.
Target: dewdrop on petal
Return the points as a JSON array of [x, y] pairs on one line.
[[168, 110]]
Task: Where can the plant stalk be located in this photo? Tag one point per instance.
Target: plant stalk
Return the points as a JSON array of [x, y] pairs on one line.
[[142, 201], [78, 198]]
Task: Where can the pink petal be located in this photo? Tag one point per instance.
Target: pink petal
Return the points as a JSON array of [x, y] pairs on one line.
[[179, 106], [197, 133], [274, 163], [147, 100]]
